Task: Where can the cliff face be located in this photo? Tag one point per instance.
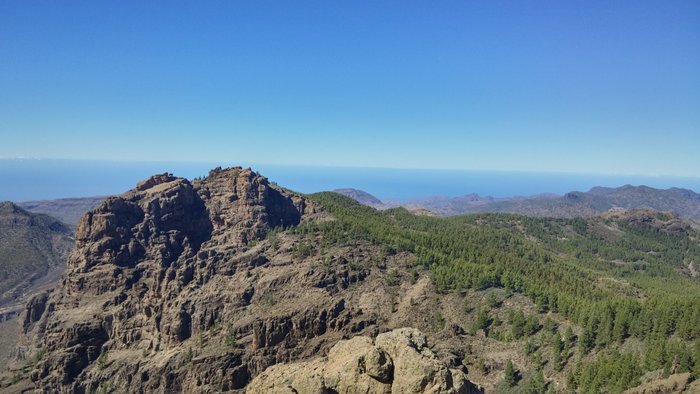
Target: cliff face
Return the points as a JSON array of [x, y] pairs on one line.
[[147, 273]]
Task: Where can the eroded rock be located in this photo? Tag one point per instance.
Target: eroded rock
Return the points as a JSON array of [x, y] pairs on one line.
[[398, 361], [144, 278]]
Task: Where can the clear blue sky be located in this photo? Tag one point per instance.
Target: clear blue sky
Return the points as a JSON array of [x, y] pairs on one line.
[[572, 86]]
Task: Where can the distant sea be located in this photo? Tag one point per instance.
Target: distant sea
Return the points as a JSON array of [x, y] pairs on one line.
[[34, 179]]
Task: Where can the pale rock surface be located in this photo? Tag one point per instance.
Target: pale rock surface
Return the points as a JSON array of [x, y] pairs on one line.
[[398, 361]]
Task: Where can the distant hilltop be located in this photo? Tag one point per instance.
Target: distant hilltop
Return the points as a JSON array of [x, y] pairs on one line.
[[68, 210], [360, 196], [683, 202], [33, 249]]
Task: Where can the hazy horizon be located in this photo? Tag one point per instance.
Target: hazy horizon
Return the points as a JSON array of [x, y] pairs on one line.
[[37, 179]]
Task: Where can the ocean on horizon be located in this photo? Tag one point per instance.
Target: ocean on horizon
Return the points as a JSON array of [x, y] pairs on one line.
[[35, 179]]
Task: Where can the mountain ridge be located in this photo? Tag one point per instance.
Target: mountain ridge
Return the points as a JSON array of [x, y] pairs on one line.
[[68, 210], [598, 199]]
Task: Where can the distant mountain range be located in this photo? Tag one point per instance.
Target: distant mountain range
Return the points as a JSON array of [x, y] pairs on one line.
[[67, 210], [684, 202]]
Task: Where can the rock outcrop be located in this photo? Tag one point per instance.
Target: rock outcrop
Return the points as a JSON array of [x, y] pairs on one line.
[[193, 286], [142, 277], [398, 361]]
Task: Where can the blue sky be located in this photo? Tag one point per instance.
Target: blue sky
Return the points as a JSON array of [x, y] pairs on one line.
[[562, 86]]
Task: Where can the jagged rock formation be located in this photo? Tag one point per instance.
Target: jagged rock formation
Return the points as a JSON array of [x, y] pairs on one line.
[[180, 286], [139, 273], [399, 361]]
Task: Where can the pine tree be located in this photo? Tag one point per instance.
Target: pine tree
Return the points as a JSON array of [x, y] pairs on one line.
[[482, 322], [557, 349], [511, 375], [537, 384], [531, 325], [587, 340], [569, 337], [550, 325], [518, 321], [696, 359]]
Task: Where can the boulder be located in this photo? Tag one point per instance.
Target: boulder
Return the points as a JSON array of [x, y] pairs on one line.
[[398, 361]]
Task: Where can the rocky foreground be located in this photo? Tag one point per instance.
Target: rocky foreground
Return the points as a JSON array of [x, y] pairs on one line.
[[399, 361]]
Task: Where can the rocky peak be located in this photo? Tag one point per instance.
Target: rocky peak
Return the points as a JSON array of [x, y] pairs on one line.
[[166, 216], [154, 181], [136, 257], [236, 193]]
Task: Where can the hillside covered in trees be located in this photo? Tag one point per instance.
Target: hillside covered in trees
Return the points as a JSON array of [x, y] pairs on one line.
[[616, 297]]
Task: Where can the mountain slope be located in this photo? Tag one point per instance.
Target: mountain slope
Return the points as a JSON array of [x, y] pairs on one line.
[[33, 252], [67, 210], [32, 246], [683, 202], [360, 196], [201, 286]]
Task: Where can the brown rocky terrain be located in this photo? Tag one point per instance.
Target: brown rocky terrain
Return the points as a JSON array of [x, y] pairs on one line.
[[399, 361], [180, 286]]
